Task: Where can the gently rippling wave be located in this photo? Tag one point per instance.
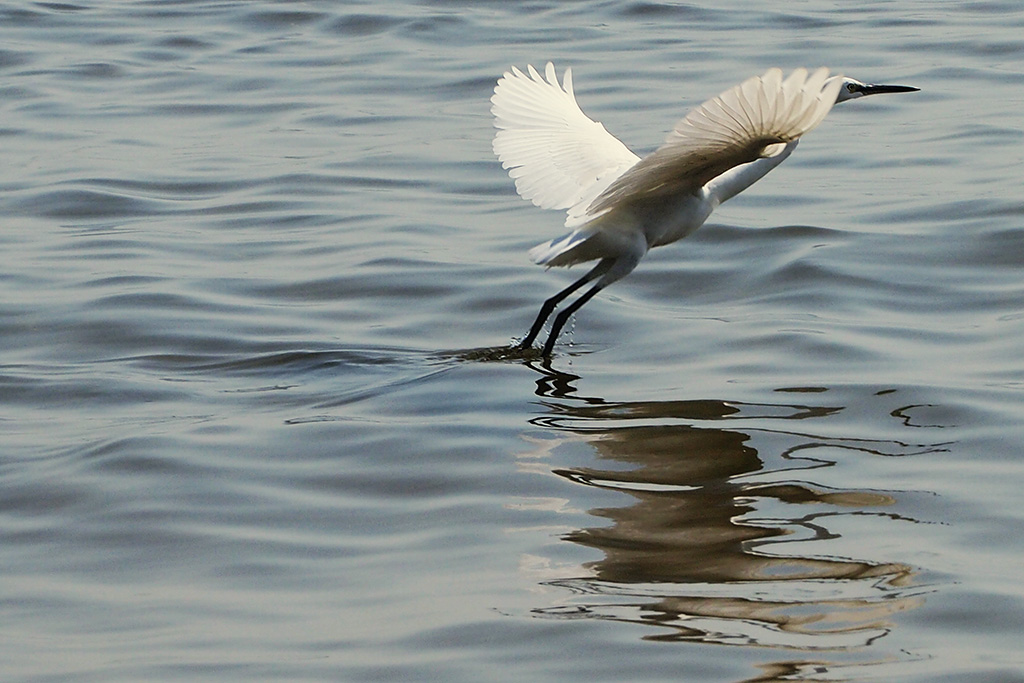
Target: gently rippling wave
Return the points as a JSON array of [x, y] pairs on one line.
[[725, 532], [261, 419]]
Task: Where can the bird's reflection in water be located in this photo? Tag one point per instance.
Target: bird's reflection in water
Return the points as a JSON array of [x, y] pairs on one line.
[[694, 541]]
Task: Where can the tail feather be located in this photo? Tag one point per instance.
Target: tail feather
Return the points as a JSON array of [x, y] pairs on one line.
[[556, 251]]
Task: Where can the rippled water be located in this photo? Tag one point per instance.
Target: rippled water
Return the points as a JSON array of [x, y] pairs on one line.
[[257, 265]]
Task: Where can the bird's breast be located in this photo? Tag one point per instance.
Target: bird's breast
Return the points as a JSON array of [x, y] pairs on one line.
[[671, 218]]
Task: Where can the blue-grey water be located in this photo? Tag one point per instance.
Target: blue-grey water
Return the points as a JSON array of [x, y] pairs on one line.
[[253, 257]]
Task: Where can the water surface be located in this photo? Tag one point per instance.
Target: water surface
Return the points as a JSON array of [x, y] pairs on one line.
[[257, 270]]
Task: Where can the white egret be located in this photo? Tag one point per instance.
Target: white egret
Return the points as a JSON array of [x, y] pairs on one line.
[[619, 205]]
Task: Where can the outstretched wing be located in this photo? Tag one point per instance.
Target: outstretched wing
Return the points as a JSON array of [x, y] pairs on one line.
[[752, 120], [559, 158]]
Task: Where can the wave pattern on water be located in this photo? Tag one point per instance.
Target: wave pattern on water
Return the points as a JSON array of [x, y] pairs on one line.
[[725, 536], [259, 278]]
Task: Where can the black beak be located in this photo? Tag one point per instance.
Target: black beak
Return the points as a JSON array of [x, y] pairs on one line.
[[880, 89]]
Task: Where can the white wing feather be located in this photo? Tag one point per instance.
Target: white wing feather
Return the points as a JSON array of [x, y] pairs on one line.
[[559, 158], [754, 119]]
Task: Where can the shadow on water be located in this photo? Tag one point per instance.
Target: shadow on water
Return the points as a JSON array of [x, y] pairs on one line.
[[499, 354], [715, 532], [715, 522]]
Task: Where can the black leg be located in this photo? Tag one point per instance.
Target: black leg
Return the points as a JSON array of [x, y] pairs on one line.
[[549, 306], [564, 316]]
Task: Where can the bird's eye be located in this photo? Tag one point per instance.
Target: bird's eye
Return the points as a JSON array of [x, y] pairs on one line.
[[850, 87]]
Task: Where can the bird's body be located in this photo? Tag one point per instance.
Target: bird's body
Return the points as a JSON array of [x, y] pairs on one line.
[[618, 205]]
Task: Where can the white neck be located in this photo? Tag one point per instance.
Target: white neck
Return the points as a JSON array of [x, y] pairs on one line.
[[739, 178]]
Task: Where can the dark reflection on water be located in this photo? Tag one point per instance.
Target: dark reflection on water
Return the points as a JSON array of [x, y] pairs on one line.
[[691, 551]]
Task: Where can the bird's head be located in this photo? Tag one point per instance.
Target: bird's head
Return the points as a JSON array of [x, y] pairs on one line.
[[852, 89]]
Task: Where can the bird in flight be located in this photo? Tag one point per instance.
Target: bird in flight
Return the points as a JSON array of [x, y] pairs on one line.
[[618, 205]]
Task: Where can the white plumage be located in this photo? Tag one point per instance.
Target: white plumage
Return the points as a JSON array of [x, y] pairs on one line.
[[557, 156], [618, 205]]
